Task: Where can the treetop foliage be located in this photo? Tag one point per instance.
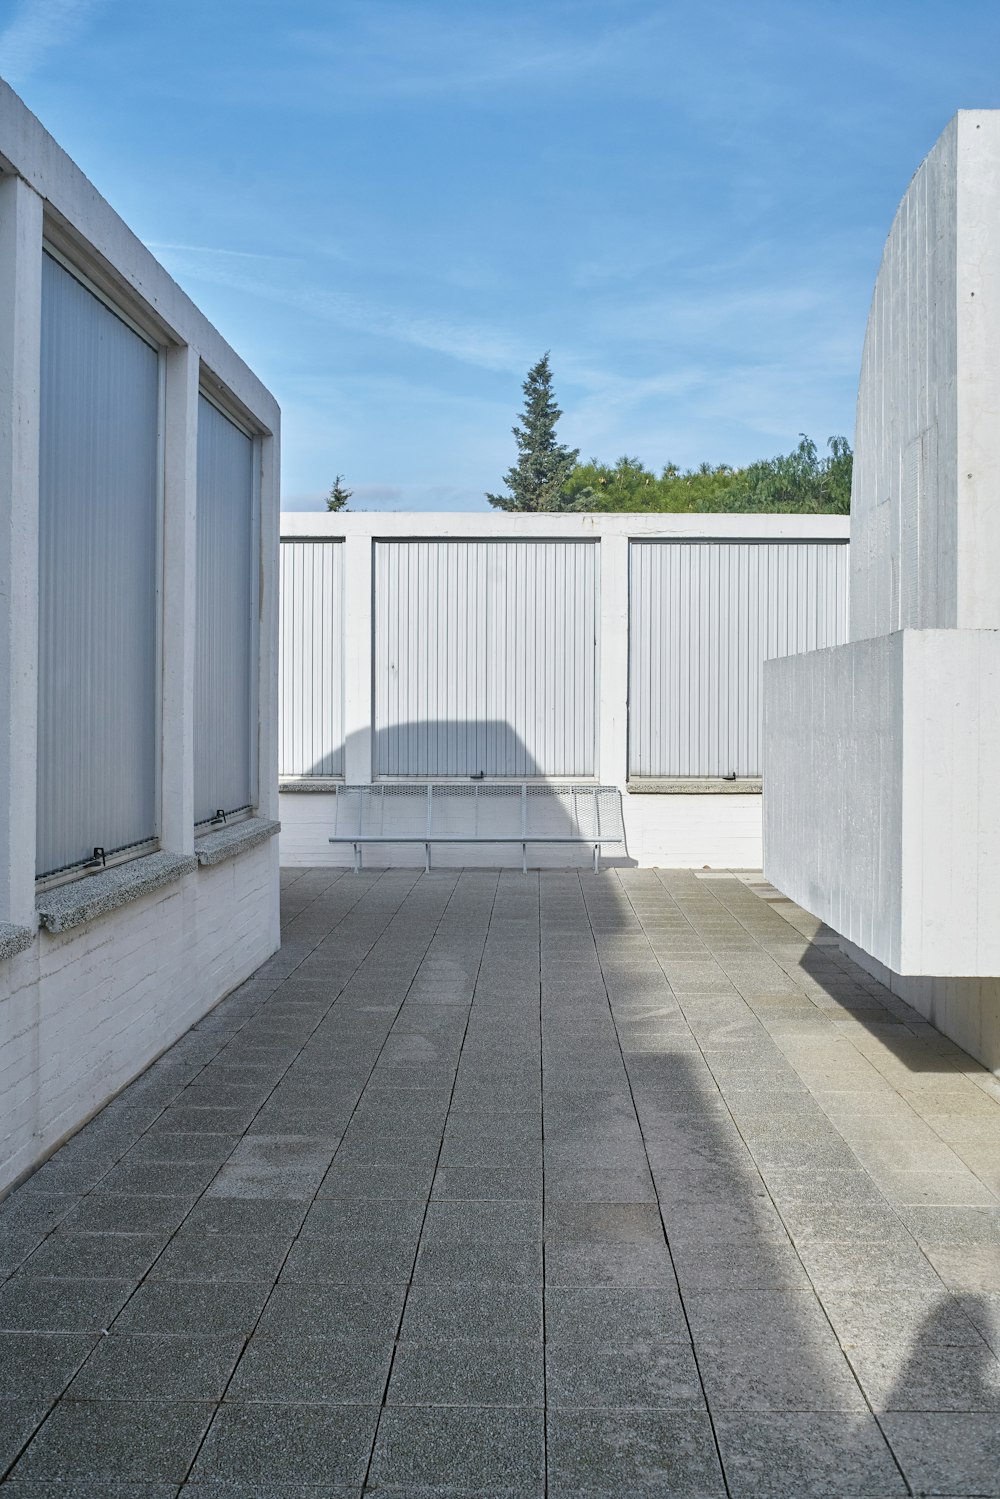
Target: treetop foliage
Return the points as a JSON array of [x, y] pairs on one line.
[[539, 478], [338, 497], [800, 482], [548, 476]]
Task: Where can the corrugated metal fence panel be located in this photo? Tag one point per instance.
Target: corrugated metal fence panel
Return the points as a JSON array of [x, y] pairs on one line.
[[704, 616], [486, 658], [98, 555], [311, 671], [226, 634]]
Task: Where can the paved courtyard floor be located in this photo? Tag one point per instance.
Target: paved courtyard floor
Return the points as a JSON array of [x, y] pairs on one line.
[[493, 1184]]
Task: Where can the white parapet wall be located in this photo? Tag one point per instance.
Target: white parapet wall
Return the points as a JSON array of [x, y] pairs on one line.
[[127, 910], [624, 650], [882, 808]]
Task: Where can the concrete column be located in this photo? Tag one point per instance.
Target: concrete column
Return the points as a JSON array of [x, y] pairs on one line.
[[613, 741], [359, 611], [20, 353], [267, 663], [179, 600]]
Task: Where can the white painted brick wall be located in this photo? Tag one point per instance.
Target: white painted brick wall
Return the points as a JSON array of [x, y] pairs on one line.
[[83, 1012], [676, 831]]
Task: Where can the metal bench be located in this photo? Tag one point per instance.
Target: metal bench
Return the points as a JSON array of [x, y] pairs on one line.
[[429, 812]]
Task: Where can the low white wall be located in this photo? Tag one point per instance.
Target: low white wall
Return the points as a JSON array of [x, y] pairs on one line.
[[82, 1012], [675, 831], [881, 798]]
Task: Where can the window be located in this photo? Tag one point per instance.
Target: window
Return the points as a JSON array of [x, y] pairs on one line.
[[226, 637], [99, 506]]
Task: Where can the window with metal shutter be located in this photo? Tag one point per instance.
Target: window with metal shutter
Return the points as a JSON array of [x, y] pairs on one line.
[[311, 660], [226, 631], [704, 616], [98, 609]]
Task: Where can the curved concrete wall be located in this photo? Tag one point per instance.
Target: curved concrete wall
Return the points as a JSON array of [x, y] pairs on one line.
[[927, 445]]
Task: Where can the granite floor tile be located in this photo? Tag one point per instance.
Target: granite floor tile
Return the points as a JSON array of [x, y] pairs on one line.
[[831, 1455], [195, 1255], [350, 1259], [28, 1305], [40, 1365], [947, 1454], [468, 1449], [70, 1257], [273, 1444], [340, 1311], [468, 1372], [116, 1213], [208, 1308], [515, 1262], [273, 1166], [642, 1375], [153, 1440], [157, 1367], [459, 1310], [19, 1418], [316, 1370], [636, 1453]]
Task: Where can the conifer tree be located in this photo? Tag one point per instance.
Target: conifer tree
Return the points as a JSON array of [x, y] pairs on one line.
[[539, 478], [338, 497]]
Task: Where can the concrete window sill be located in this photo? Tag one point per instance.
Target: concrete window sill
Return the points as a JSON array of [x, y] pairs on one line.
[[98, 894], [312, 783], [14, 939], [226, 843], [694, 786]]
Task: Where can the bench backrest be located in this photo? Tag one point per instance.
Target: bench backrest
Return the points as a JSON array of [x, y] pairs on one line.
[[435, 809]]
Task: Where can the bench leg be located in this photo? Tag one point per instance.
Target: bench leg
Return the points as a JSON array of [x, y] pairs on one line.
[[597, 858], [357, 858], [524, 858], [427, 858]]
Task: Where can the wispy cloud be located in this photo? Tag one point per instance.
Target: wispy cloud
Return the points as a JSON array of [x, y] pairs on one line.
[[482, 346], [400, 51], [38, 27]]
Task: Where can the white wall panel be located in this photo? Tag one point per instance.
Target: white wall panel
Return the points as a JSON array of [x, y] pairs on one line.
[[98, 556], [704, 616], [486, 658], [311, 669], [226, 630]]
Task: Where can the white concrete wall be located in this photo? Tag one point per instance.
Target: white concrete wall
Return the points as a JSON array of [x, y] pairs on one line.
[[881, 801], [882, 759], [925, 525], [83, 1011], [681, 830]]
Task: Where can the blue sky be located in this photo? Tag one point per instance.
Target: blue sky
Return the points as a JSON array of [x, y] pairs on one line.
[[391, 209]]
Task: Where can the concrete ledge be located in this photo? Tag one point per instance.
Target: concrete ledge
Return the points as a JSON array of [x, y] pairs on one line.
[[14, 939], [313, 783], [226, 843], [97, 894], [693, 786]]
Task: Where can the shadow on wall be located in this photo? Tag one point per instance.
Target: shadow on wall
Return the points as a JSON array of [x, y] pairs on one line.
[[470, 797]]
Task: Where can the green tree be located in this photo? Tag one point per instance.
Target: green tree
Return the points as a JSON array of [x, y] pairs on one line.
[[539, 478], [338, 497], [797, 482]]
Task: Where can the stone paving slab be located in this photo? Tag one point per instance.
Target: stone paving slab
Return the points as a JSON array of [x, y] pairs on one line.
[[490, 1184]]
